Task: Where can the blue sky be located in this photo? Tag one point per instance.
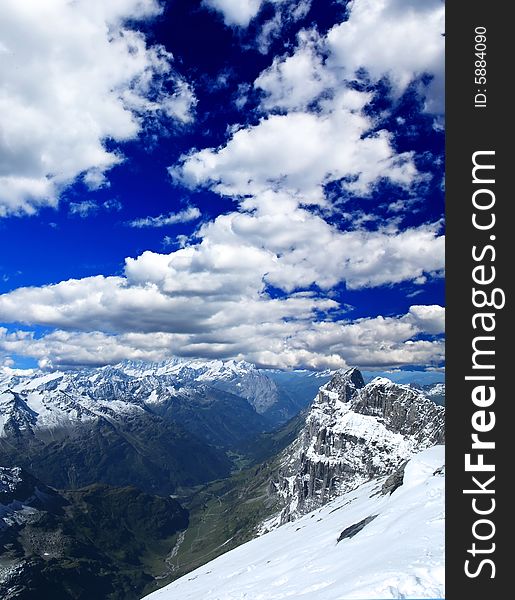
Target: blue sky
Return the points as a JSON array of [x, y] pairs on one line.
[[251, 179]]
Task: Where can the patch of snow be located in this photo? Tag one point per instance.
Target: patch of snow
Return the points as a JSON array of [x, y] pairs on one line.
[[36, 382]]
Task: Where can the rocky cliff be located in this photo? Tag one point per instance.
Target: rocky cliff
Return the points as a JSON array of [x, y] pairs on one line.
[[353, 432]]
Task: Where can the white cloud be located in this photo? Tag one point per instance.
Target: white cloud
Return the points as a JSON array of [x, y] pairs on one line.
[[295, 244], [210, 299], [112, 204], [236, 12], [164, 296], [239, 13], [23, 194], [221, 281], [428, 318], [86, 208], [184, 216], [83, 209], [372, 342], [293, 82], [95, 179], [300, 152], [72, 75], [402, 39], [180, 104], [211, 296], [279, 167], [285, 11], [270, 30], [304, 149]]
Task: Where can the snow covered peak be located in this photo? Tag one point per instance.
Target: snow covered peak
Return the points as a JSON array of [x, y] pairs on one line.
[[353, 432], [36, 400], [437, 388], [344, 384], [382, 381], [184, 366]]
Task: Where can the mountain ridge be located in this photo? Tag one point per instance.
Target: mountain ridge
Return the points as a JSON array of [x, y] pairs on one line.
[[353, 432]]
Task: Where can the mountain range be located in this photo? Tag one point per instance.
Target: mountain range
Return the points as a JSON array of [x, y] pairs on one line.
[[161, 426], [241, 450], [351, 434]]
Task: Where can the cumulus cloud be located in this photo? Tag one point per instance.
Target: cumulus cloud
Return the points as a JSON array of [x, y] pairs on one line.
[[324, 134], [216, 295], [310, 145], [184, 216], [293, 82], [224, 278], [427, 318], [215, 292], [314, 130], [73, 75], [376, 342], [300, 152], [159, 290], [211, 298], [400, 39], [295, 245]]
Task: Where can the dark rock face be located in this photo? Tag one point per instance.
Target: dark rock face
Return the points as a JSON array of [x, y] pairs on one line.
[[402, 410], [352, 530], [354, 432], [345, 384], [394, 481]]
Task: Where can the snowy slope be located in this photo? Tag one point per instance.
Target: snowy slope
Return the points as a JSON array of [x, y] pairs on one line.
[[398, 552]]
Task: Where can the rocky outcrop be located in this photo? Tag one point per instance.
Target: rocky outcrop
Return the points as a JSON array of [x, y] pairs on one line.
[[394, 481], [402, 410], [354, 432]]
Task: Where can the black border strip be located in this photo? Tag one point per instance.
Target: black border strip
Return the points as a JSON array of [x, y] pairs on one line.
[[473, 127]]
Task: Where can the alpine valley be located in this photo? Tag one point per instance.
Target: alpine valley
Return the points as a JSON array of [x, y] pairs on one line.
[[116, 481]]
